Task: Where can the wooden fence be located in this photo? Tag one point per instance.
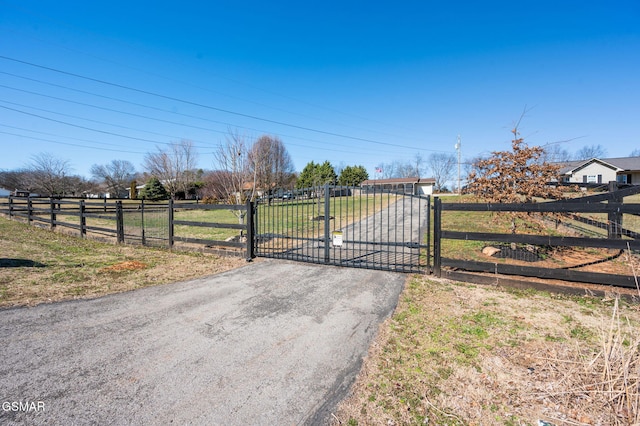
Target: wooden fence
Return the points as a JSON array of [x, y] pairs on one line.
[[133, 221], [617, 237]]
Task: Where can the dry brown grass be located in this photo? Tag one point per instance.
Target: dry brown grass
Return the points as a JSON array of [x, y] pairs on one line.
[[38, 266], [456, 354]]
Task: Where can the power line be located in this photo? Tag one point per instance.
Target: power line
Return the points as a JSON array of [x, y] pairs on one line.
[[100, 122], [144, 106], [226, 111], [69, 144], [235, 81], [155, 118], [82, 127], [60, 136], [124, 136]]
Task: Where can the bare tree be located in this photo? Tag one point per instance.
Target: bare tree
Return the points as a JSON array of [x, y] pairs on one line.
[[232, 159], [442, 167], [47, 174], [174, 167], [398, 169], [592, 151], [418, 161], [270, 164], [116, 175], [16, 180], [635, 153], [554, 153], [213, 188]]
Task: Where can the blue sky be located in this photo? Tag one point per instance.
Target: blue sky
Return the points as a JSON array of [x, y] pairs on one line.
[[355, 83]]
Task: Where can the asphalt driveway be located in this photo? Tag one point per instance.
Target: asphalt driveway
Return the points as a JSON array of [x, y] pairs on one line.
[[270, 343]]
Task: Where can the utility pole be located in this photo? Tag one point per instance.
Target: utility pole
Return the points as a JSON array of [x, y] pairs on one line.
[[458, 146]]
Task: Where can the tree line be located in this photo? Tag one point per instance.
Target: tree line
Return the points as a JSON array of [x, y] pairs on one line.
[[242, 168]]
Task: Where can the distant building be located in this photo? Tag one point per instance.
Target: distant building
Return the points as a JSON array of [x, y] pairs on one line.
[[602, 171], [410, 185]]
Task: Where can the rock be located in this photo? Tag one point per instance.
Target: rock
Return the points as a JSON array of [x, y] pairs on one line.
[[490, 251]]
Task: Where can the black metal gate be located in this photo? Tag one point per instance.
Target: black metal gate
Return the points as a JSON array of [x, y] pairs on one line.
[[346, 226]]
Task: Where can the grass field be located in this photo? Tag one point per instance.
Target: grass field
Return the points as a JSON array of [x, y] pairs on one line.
[[283, 218], [536, 224], [39, 266]]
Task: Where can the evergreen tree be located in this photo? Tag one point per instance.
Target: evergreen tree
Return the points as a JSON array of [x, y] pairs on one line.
[[353, 176], [317, 174], [154, 190]]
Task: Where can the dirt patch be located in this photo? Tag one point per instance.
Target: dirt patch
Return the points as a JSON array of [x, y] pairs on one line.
[[130, 265], [610, 261]]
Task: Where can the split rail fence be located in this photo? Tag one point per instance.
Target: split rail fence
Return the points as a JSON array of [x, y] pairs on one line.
[[601, 225], [139, 221], [594, 222]]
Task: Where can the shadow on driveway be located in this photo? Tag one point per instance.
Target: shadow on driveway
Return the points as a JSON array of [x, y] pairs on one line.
[[270, 343]]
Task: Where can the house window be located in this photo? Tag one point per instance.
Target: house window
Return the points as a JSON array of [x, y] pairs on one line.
[[599, 178], [624, 178], [592, 179]]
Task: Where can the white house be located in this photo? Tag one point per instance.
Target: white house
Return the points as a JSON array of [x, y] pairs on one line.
[[602, 170]]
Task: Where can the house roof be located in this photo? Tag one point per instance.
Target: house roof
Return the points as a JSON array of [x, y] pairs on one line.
[[398, 181], [620, 164]]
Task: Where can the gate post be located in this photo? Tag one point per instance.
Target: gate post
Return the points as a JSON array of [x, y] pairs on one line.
[[428, 232], [144, 241], [437, 234], [251, 253], [327, 227], [170, 223], [119, 222]]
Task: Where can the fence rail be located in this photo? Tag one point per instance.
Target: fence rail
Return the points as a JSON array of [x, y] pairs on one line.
[[349, 227], [616, 237], [135, 221]]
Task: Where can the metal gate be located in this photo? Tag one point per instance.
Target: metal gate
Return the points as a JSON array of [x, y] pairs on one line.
[[146, 224], [345, 226]]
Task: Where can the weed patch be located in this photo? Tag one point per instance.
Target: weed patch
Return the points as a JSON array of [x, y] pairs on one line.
[[457, 355]]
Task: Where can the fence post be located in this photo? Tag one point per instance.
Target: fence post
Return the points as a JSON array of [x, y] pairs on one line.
[[614, 218], [428, 232], [10, 206], [437, 234], [53, 212], [250, 230], [171, 223], [83, 220], [327, 227], [144, 240], [119, 222], [29, 210]]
